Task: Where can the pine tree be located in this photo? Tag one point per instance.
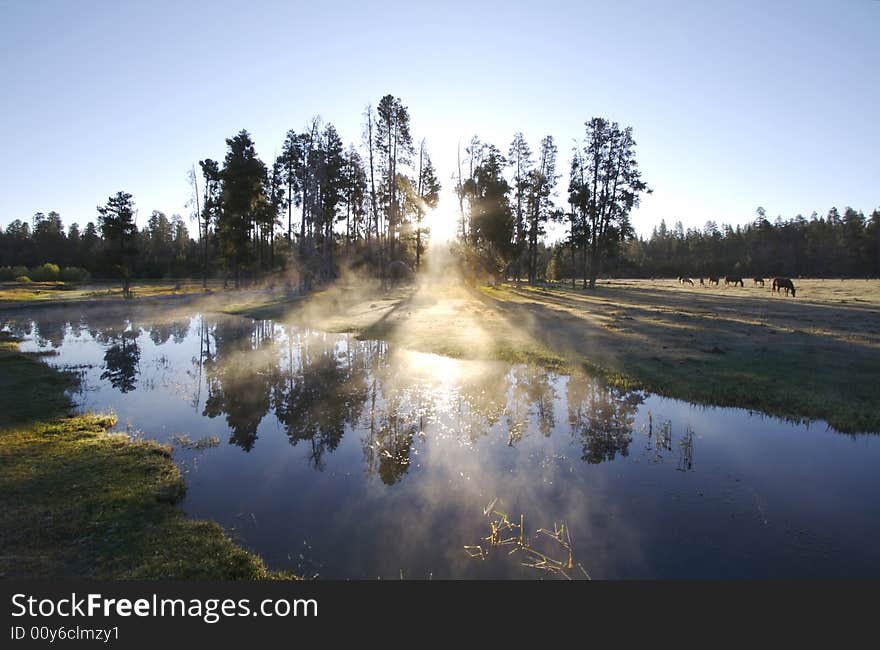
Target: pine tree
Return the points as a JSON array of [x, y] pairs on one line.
[[520, 160], [541, 183], [242, 178], [395, 146]]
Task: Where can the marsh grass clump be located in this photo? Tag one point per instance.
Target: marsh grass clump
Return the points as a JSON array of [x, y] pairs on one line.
[[184, 441], [506, 534]]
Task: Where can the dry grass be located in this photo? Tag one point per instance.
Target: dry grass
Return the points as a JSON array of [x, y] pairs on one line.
[[16, 294]]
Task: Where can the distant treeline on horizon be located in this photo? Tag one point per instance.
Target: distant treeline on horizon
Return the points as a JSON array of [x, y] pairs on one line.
[[834, 245]]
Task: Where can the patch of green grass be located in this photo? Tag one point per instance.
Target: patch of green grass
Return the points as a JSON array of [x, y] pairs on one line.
[[78, 501], [794, 385], [785, 384], [800, 360], [534, 354], [272, 308]]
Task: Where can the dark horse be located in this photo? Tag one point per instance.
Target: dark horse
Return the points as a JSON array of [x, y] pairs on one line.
[[734, 280], [713, 280], [759, 281], [783, 284]]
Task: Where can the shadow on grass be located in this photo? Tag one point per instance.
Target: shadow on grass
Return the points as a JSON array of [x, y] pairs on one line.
[[655, 340]]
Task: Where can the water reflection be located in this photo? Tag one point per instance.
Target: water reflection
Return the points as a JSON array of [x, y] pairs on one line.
[[121, 360], [602, 418], [318, 385], [380, 460], [238, 377]]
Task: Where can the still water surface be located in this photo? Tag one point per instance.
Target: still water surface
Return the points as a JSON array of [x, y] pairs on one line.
[[343, 458]]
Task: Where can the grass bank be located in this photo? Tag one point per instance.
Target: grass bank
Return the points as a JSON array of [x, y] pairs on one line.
[[76, 500], [813, 357]]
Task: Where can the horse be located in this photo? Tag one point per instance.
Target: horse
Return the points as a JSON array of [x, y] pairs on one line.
[[702, 284], [686, 281], [734, 280], [713, 280], [759, 281], [784, 284]]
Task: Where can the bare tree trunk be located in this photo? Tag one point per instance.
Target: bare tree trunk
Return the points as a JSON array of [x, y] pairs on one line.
[[460, 193], [419, 207], [289, 210], [392, 188], [373, 201], [195, 182]]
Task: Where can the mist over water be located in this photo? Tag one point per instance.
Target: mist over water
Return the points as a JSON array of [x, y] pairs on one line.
[[348, 458]]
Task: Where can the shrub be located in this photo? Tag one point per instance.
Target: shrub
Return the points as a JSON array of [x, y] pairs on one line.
[[74, 274], [23, 279], [19, 271], [6, 274], [45, 273]]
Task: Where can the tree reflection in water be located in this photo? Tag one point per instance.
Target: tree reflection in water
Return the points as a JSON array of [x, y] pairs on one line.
[[318, 385], [121, 360], [239, 377], [602, 417], [321, 386]]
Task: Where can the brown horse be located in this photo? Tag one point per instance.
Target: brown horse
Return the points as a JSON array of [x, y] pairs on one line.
[[784, 284], [734, 280], [759, 281], [713, 280], [684, 280]]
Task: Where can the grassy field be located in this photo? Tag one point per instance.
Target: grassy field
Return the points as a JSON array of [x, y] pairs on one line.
[[13, 294], [76, 500], [816, 356]]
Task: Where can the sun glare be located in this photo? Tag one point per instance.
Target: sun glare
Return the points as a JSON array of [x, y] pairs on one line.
[[442, 223]]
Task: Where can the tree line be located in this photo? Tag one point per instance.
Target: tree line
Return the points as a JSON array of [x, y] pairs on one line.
[[314, 209], [321, 206], [838, 244]]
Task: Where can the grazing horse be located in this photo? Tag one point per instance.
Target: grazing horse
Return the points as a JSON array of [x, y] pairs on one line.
[[686, 281], [734, 280], [713, 280], [784, 284], [759, 281]]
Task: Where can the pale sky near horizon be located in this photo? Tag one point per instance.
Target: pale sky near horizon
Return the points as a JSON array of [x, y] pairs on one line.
[[734, 105]]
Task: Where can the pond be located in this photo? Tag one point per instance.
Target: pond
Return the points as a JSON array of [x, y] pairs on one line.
[[344, 458]]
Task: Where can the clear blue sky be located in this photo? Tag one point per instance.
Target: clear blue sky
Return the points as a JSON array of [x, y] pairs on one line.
[[734, 104]]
